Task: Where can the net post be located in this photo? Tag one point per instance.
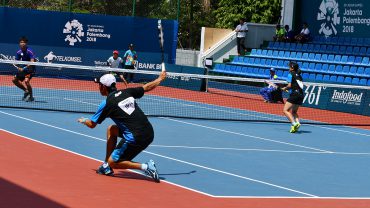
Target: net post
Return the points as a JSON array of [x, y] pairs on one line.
[[208, 64], [206, 87]]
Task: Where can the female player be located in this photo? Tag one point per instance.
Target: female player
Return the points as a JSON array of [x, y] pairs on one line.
[[295, 87]]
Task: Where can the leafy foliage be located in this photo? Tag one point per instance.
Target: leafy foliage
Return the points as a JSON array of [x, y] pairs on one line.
[[194, 14], [229, 12]]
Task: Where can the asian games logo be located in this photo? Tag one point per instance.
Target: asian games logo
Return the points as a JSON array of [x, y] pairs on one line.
[[328, 15], [74, 31]]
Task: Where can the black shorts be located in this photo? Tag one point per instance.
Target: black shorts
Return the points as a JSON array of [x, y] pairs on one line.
[[126, 151], [129, 66], [296, 98], [21, 75]]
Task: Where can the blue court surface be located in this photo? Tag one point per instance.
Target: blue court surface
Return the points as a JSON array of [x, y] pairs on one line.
[[225, 158]]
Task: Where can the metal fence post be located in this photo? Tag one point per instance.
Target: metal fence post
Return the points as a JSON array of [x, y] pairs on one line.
[[178, 10], [133, 7], [70, 2]]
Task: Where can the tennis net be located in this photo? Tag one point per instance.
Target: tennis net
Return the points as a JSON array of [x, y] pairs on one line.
[[70, 88]]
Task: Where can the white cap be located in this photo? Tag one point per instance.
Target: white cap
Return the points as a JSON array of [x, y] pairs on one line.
[[107, 80]]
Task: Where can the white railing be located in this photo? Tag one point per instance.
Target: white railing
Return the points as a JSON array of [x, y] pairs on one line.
[[215, 48]]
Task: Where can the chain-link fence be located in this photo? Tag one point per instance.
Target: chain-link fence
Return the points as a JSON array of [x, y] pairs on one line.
[[143, 8], [191, 14]]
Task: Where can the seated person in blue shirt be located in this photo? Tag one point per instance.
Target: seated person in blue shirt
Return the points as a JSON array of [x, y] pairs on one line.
[[267, 92], [289, 35]]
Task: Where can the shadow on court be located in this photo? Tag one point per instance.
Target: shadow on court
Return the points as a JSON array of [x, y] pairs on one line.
[[132, 175], [13, 195]]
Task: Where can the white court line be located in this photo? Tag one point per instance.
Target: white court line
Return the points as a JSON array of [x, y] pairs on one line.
[[258, 197], [198, 105], [258, 150], [340, 130], [8, 95], [231, 174], [256, 112], [261, 116], [246, 135], [240, 134], [236, 133], [140, 173], [167, 158], [170, 158], [79, 101]]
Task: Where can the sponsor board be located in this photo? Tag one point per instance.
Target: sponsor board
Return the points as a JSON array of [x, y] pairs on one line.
[[94, 57], [85, 31], [335, 17], [316, 96], [366, 110], [347, 100]]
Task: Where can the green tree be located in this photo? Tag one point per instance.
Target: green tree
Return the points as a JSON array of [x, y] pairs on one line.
[[193, 16], [229, 12]]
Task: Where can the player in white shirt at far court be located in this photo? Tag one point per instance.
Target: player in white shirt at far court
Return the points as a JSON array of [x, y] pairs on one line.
[[116, 62], [304, 36], [241, 31]]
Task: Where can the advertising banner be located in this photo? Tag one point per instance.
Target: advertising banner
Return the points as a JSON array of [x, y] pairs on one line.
[[346, 18], [347, 100], [62, 30], [316, 96], [366, 110]]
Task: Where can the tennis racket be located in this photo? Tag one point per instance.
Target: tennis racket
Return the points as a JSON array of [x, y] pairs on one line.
[[161, 41], [3, 57]]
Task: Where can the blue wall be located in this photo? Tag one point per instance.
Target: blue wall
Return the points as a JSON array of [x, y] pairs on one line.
[[347, 100], [348, 18], [94, 40]]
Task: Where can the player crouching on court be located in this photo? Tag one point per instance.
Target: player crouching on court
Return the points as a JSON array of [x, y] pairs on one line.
[[132, 125], [295, 87], [270, 92], [25, 73]]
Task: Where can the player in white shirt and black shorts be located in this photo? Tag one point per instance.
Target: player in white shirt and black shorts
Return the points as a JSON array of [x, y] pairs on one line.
[[304, 35], [116, 62], [241, 31]]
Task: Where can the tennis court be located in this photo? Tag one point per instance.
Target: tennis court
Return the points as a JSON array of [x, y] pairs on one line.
[[211, 163]]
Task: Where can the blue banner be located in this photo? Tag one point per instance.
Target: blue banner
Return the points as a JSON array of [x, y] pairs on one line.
[[366, 110], [182, 82], [346, 18], [347, 100], [68, 32], [316, 96]]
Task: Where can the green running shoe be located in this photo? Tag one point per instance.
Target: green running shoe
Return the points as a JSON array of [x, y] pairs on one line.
[[293, 129], [296, 126]]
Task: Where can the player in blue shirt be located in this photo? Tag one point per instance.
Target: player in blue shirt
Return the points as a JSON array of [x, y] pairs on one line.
[[25, 72], [295, 87], [266, 92], [130, 59]]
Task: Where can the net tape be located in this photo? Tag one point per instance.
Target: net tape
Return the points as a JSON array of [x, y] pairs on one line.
[[257, 116]]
